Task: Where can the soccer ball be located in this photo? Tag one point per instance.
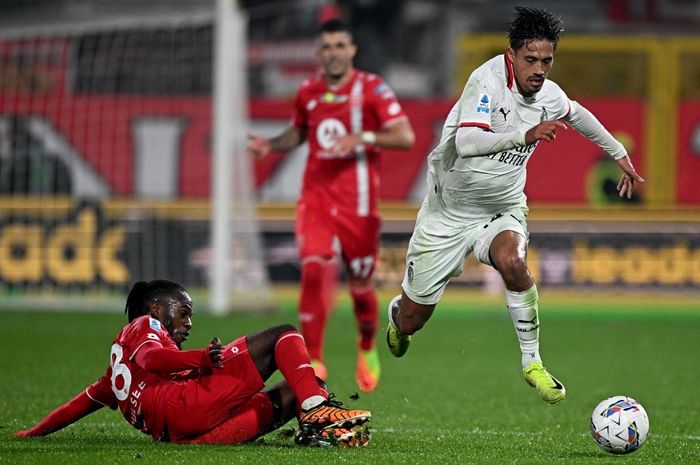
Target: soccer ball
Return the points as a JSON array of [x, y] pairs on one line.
[[619, 425]]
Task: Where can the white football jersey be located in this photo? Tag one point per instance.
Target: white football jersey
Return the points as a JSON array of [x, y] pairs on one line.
[[491, 101]]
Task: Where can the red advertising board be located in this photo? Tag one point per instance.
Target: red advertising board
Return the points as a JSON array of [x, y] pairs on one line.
[[688, 187], [104, 133], [564, 171]]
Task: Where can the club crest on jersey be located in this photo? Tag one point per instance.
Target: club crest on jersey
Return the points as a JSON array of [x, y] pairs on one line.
[[154, 324], [484, 104], [544, 115]]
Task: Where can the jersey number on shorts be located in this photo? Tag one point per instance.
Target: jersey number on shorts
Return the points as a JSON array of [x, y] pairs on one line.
[[119, 369], [361, 266]]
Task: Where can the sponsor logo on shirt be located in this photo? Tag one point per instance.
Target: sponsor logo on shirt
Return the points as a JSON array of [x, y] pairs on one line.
[[152, 336], [544, 116], [330, 97], [515, 157], [328, 130], [484, 104], [311, 104]]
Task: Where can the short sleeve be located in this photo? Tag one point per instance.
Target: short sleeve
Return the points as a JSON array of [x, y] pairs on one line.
[[101, 391], [476, 103], [386, 105]]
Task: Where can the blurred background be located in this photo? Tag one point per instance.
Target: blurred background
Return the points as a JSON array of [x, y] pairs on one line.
[[107, 120]]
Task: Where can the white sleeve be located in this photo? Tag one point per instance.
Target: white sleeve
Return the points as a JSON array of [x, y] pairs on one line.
[[475, 103], [588, 125], [474, 142]]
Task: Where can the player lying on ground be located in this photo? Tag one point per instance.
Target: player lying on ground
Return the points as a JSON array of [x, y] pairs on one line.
[[212, 395], [476, 201]]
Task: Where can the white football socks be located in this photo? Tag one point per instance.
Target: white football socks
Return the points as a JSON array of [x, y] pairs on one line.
[[522, 307]]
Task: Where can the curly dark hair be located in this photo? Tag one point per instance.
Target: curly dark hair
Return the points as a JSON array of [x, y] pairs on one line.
[[142, 293], [534, 24]]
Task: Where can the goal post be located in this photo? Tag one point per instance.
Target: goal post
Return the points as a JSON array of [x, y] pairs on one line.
[[238, 277]]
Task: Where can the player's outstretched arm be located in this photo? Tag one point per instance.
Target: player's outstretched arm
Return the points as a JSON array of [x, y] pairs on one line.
[[68, 413], [629, 179], [588, 125]]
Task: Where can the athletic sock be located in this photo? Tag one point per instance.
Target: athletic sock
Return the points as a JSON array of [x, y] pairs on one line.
[[313, 310], [293, 362], [522, 307], [330, 284], [366, 311]]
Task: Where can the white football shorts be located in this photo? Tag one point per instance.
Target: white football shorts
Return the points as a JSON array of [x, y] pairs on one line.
[[440, 244]]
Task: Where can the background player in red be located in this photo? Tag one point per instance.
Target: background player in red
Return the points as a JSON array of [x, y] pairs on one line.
[[346, 115], [212, 395]]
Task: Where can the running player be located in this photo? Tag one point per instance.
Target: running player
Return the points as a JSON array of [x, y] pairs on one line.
[[212, 395], [346, 115], [476, 204]]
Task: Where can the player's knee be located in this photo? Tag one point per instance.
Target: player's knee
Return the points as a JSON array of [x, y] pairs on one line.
[[312, 274], [285, 328], [360, 284], [512, 266]]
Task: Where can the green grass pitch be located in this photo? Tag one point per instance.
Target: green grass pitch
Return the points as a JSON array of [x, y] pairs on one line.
[[457, 397]]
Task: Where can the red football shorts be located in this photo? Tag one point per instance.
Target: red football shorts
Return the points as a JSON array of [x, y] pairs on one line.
[[198, 405], [248, 422], [319, 223]]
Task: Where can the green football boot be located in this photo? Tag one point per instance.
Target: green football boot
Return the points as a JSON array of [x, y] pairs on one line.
[[398, 342], [549, 388]]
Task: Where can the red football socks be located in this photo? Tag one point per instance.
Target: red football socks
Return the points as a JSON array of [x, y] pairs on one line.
[[313, 310], [367, 315], [293, 362]]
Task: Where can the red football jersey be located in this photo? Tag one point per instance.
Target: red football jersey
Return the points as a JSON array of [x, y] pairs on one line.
[[140, 395], [365, 103]]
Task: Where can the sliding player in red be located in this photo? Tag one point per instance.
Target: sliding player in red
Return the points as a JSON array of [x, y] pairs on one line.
[[212, 395]]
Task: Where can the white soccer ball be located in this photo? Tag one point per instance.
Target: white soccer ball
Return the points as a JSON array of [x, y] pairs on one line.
[[619, 425]]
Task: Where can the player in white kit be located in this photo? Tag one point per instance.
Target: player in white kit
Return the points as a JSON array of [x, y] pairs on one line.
[[476, 175]]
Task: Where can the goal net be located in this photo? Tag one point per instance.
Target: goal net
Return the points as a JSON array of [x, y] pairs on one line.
[[121, 159]]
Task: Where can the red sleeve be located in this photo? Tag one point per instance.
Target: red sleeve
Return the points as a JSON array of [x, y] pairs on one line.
[[161, 360], [101, 391], [299, 119], [70, 412], [385, 103]]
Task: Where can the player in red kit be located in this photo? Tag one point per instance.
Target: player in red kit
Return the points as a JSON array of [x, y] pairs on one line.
[[346, 115], [212, 395]]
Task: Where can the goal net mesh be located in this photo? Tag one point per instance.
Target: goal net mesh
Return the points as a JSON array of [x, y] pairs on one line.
[[106, 165]]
